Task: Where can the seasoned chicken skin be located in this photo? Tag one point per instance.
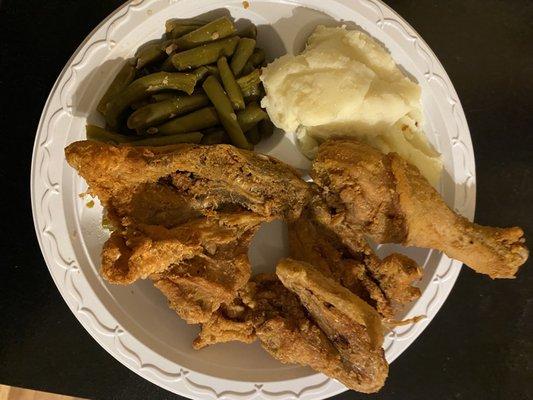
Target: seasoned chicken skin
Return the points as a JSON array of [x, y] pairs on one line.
[[184, 216], [388, 199], [344, 255]]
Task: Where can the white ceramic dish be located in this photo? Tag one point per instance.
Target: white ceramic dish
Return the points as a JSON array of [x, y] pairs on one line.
[[134, 323]]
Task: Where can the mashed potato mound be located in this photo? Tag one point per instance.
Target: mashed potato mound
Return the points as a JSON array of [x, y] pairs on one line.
[[346, 84]]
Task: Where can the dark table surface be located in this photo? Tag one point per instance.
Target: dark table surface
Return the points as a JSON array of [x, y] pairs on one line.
[[479, 346]]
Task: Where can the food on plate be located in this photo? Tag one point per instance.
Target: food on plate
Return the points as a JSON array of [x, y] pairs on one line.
[[183, 214], [333, 339], [344, 256], [143, 87], [347, 84], [388, 199], [226, 114], [353, 327], [159, 96], [156, 113], [204, 54], [231, 86], [244, 51]]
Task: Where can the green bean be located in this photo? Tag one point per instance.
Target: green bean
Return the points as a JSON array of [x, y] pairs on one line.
[[253, 135], [140, 104], [258, 57], [218, 29], [180, 30], [121, 81], [250, 84], [167, 65], [169, 46], [201, 73], [154, 114], [248, 67], [197, 120], [230, 84], [266, 128], [102, 135], [213, 70], [244, 50], [249, 32], [182, 24], [204, 54], [217, 136], [143, 87], [250, 116], [163, 96], [149, 54], [225, 112], [188, 137]]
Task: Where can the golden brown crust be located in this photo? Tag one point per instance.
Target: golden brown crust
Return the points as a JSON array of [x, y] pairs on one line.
[[184, 216], [352, 326], [496, 252], [388, 199]]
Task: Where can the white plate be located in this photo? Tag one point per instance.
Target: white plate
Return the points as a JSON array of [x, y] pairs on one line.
[[133, 323]]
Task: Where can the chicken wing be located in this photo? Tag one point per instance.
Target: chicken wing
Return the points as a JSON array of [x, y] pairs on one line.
[[388, 199]]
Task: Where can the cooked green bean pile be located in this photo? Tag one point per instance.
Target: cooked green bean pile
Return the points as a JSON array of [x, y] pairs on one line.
[[199, 84]]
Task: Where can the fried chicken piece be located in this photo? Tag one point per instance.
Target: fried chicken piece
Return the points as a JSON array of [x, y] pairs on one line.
[[230, 323], [352, 326], [285, 331], [346, 257], [388, 199], [211, 175], [184, 216], [313, 244], [142, 250]]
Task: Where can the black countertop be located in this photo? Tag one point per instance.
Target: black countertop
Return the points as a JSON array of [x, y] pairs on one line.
[[479, 346]]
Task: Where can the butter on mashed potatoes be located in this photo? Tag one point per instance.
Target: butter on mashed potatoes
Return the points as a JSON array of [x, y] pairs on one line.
[[346, 84]]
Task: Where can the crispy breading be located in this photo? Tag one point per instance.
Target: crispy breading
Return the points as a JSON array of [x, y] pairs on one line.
[[390, 200], [184, 215]]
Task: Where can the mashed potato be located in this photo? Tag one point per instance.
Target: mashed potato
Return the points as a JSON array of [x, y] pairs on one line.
[[346, 84]]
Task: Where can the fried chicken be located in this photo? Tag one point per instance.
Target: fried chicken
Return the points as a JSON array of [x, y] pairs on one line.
[[184, 216], [231, 322], [346, 257], [210, 177], [388, 199], [353, 327], [335, 340]]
